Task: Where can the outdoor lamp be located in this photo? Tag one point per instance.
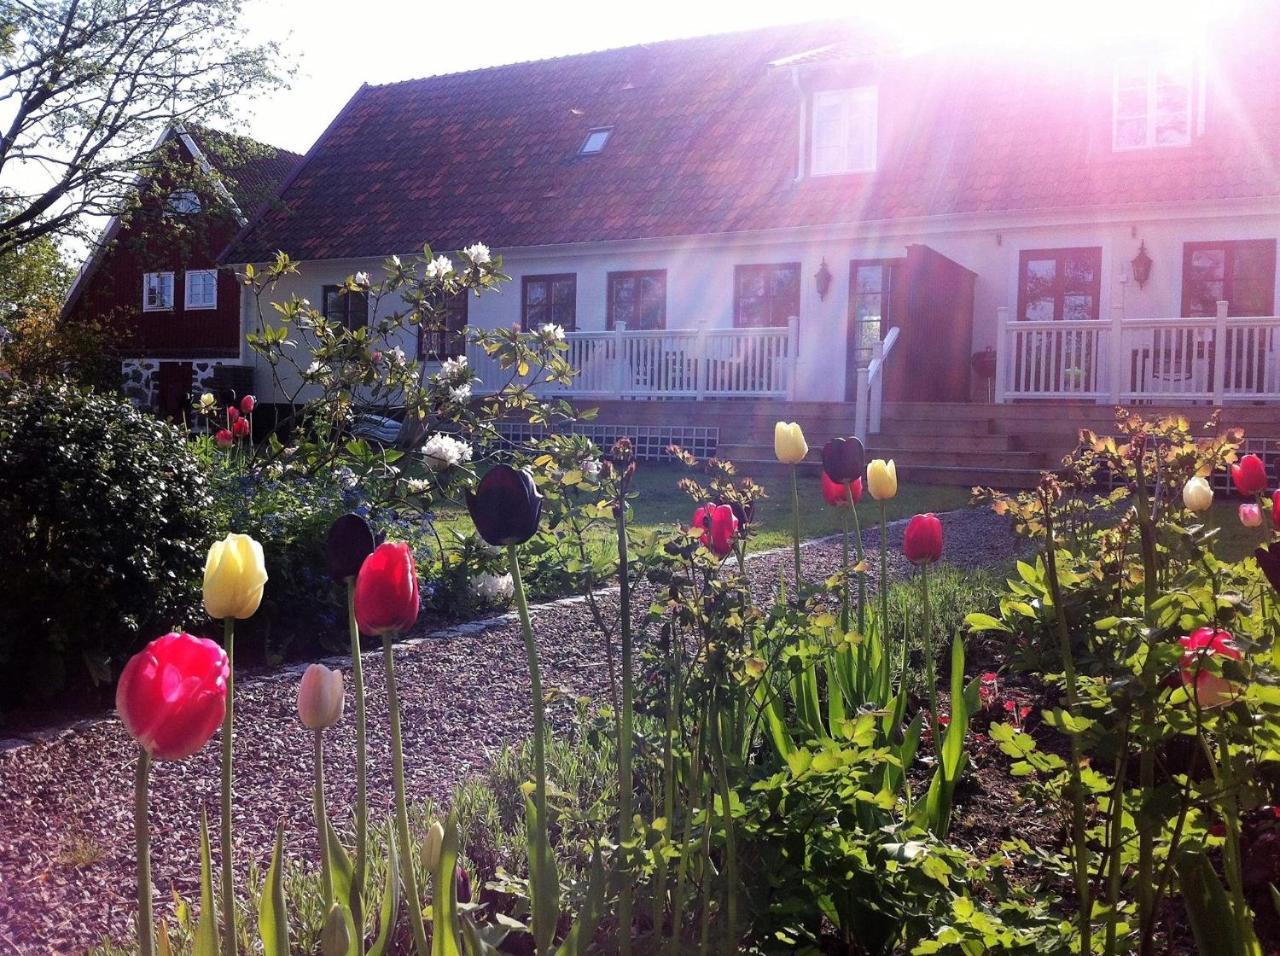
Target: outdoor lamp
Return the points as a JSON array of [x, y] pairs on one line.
[[1141, 265], [823, 278]]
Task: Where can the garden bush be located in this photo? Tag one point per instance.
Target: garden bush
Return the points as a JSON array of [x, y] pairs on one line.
[[106, 513]]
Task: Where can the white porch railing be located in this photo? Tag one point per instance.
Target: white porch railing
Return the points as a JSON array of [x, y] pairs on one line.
[[1204, 360], [869, 399], [677, 363]]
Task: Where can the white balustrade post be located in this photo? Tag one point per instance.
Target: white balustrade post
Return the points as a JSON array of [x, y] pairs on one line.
[[1116, 351], [1002, 353], [861, 412], [793, 347], [875, 389], [701, 364], [620, 359], [1220, 353]]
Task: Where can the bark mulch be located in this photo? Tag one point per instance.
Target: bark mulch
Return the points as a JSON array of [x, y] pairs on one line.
[[66, 832]]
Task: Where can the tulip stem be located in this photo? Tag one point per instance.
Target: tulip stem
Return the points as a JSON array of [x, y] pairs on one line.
[[883, 584], [795, 524], [362, 798], [408, 877], [862, 574], [224, 823], [927, 634], [844, 564], [142, 840], [625, 721], [537, 865], [322, 828]]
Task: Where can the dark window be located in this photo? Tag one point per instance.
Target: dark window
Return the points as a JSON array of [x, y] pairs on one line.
[[349, 308], [1059, 284], [445, 336], [1242, 272], [550, 300], [638, 298], [872, 298], [765, 296]]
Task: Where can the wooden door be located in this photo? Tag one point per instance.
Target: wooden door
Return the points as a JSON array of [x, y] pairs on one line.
[[173, 390], [931, 362]]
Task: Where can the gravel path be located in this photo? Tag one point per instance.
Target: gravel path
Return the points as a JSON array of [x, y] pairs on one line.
[[66, 835]]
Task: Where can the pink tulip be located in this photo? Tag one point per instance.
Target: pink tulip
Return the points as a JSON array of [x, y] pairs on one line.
[[1211, 690], [1250, 515], [173, 693]]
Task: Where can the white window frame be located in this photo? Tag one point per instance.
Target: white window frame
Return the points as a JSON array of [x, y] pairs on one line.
[[852, 101], [165, 280], [187, 302], [1152, 66]]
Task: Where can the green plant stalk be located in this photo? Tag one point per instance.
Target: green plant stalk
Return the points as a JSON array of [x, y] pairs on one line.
[[362, 796], [862, 575], [322, 829], [844, 590], [539, 716], [1146, 758], [142, 844], [668, 788], [730, 844], [224, 823], [795, 524], [930, 676], [692, 785], [625, 785], [1232, 861], [1114, 843], [409, 878], [1080, 861], [884, 589]]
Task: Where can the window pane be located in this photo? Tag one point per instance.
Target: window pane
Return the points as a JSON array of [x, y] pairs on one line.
[[1172, 130], [1079, 272], [1039, 310], [1078, 308], [1252, 262], [1208, 264], [1132, 102], [535, 293], [534, 316], [1038, 278], [564, 290], [1131, 132], [869, 279]]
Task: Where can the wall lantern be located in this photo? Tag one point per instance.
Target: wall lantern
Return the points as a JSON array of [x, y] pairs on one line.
[[823, 279], [1141, 266]]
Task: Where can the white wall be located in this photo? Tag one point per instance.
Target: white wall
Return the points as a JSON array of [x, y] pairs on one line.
[[700, 272]]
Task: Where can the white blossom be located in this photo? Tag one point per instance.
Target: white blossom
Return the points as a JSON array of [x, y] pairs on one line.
[[494, 588], [395, 262], [591, 467], [444, 451], [397, 356], [315, 369], [478, 253], [460, 394], [345, 477], [555, 332], [417, 486], [362, 278], [439, 267]]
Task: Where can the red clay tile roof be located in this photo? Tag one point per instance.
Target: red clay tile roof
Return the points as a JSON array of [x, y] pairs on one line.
[[705, 142], [252, 171]]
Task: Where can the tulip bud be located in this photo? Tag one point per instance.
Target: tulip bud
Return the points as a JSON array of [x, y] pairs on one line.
[[234, 575], [462, 884], [248, 404], [1250, 476], [844, 459], [224, 438], [1250, 515], [922, 541], [720, 526], [386, 593], [1197, 494], [506, 506], [882, 479], [350, 542], [320, 697], [789, 446], [335, 937], [431, 846], [208, 403], [173, 693], [233, 414], [837, 494], [240, 428]]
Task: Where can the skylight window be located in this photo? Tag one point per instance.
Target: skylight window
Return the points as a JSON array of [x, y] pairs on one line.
[[595, 141]]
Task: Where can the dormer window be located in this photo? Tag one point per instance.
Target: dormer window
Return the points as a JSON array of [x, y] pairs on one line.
[[1152, 103], [595, 141], [843, 131], [183, 202]]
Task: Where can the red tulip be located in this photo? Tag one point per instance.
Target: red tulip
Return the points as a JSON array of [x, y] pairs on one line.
[[922, 541], [1249, 475], [1211, 690], [241, 428], [233, 414], [387, 590], [248, 404], [173, 693], [835, 494], [719, 527], [224, 438]]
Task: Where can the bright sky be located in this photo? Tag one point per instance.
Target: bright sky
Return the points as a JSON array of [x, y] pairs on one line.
[[339, 44]]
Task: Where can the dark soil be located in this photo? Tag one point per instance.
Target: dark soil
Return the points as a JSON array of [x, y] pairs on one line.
[[66, 835]]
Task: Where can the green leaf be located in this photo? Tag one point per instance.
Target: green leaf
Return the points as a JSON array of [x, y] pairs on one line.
[[205, 942], [390, 903], [985, 622], [578, 942], [273, 917], [544, 882], [444, 905]]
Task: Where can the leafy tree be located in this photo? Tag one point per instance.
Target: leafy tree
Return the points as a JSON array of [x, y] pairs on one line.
[[88, 86]]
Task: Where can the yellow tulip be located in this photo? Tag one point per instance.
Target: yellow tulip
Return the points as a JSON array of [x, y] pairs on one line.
[[432, 845], [882, 479], [234, 574], [1197, 494], [788, 443]]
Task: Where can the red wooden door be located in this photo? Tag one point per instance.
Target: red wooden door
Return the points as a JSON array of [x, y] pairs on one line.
[[173, 389]]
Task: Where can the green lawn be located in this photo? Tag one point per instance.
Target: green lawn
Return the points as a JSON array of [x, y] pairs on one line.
[[1237, 542], [660, 502]]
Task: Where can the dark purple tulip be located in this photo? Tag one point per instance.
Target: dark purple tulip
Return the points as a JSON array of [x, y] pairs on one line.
[[462, 883], [844, 459], [1269, 561], [350, 542], [505, 506]]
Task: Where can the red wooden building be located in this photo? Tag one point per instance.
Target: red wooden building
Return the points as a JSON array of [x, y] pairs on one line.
[[154, 274]]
